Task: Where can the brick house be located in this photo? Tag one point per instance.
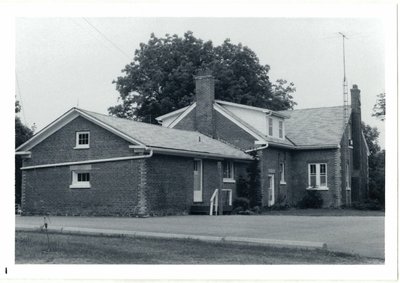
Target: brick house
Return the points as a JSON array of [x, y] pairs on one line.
[[86, 163], [299, 150]]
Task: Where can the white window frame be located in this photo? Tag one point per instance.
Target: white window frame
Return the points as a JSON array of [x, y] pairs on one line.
[[270, 126], [231, 178], [80, 146], [317, 177], [282, 173], [75, 184], [281, 133]]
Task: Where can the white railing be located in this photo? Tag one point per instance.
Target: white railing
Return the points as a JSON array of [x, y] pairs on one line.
[[214, 202]]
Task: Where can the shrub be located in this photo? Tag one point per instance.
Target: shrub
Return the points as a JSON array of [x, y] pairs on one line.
[[241, 202], [312, 199], [368, 205]]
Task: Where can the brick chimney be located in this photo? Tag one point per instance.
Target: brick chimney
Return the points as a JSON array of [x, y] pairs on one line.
[[356, 126], [205, 120]]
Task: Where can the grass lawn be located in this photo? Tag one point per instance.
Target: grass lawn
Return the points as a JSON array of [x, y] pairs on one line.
[[326, 212], [31, 248]]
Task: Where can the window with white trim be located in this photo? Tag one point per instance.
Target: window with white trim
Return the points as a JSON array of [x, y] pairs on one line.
[[270, 127], [80, 180], [282, 173], [317, 176], [82, 139], [281, 129], [229, 171]]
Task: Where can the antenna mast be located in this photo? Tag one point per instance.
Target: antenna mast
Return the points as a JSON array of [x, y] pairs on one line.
[[345, 86]]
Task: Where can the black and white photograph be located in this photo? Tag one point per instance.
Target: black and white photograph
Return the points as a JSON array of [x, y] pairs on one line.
[[198, 144]]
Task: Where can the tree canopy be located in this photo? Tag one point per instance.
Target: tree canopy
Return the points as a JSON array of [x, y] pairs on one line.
[[376, 164], [380, 107], [22, 134], [160, 77]]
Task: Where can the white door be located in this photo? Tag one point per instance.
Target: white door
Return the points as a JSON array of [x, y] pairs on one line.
[[198, 181], [271, 190]]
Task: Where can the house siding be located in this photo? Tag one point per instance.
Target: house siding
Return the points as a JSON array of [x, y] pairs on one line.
[[225, 130], [169, 184], [270, 158], [299, 184], [59, 147], [114, 187], [346, 157]]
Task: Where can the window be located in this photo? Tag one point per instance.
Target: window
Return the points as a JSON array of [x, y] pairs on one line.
[[282, 172], [270, 127], [80, 180], [317, 176], [229, 171], [82, 139], [281, 129]]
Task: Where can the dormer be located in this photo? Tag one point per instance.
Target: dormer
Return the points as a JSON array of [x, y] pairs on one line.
[[275, 126]]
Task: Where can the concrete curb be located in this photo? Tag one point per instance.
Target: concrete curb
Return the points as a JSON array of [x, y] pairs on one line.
[[205, 238]]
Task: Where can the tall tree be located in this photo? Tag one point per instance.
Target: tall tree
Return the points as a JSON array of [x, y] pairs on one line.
[[376, 162], [160, 77], [380, 107], [22, 134]]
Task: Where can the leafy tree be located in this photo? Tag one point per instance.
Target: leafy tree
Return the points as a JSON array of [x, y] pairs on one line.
[[376, 162], [371, 137], [22, 134], [160, 77], [380, 107]]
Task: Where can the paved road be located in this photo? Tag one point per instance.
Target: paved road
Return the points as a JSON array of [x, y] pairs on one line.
[[351, 234]]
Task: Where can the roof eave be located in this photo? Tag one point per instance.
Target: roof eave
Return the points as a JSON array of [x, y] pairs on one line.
[[199, 154]]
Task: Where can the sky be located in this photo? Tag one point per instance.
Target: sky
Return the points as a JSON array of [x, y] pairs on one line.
[[67, 62]]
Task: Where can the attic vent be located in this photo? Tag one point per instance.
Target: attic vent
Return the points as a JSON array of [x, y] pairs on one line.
[[199, 139]]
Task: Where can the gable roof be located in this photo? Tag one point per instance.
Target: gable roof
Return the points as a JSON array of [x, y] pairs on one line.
[[304, 128], [315, 127], [153, 136]]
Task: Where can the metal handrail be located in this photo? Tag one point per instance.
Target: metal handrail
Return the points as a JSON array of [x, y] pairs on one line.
[[214, 202]]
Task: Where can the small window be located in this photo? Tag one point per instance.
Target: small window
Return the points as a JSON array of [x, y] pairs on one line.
[[82, 140], [281, 129], [80, 180], [229, 171], [270, 127], [282, 173], [317, 176]]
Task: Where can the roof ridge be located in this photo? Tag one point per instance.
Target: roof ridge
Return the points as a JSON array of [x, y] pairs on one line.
[[311, 108], [147, 124]]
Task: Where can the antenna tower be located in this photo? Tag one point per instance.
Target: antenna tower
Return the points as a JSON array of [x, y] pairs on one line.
[[345, 85]]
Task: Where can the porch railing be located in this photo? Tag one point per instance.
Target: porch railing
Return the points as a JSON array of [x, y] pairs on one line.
[[214, 203]]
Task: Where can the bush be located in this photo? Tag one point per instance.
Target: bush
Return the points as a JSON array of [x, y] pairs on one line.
[[368, 205], [241, 202], [312, 199]]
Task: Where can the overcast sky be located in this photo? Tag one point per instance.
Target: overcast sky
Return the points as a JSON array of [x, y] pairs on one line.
[[63, 62]]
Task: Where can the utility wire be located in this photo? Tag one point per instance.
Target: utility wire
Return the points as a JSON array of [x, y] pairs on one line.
[[106, 38], [20, 98]]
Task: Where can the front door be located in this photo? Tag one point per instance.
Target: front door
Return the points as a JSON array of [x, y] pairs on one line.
[[271, 190], [198, 181]]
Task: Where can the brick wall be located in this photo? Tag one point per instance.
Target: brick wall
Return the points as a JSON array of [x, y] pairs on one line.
[[300, 161], [188, 122], [225, 130], [270, 159], [346, 157], [169, 184], [113, 190], [59, 147]]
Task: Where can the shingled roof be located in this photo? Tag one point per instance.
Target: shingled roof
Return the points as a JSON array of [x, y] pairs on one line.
[[315, 127], [161, 137]]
